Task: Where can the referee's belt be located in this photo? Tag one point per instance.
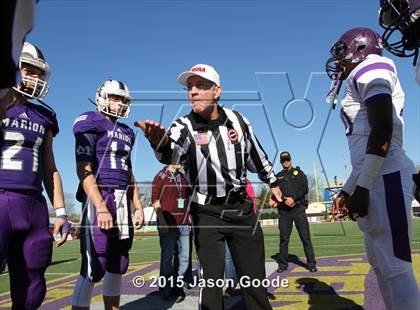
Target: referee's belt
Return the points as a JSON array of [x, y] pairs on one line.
[[233, 197]]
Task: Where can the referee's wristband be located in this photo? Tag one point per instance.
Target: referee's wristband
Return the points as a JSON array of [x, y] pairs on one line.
[[60, 212], [372, 166], [350, 184]]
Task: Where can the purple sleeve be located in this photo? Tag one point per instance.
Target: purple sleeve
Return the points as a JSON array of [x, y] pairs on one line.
[[85, 147]]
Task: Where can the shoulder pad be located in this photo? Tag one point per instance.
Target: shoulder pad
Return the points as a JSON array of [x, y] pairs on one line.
[[88, 122], [48, 114]]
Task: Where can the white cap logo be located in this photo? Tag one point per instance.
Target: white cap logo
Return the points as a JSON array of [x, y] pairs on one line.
[[205, 71]]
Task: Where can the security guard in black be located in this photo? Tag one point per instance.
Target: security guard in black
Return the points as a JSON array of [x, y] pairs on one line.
[[294, 186]]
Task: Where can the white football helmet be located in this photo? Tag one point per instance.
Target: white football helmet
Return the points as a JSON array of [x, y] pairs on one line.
[[113, 87], [33, 87]]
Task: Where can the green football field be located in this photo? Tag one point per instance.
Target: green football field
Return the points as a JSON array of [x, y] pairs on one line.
[[328, 240]]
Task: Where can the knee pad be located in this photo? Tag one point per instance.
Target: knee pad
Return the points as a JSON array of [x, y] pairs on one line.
[[112, 284], [82, 292]]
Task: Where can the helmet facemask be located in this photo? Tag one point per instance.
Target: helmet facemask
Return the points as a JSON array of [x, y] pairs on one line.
[[402, 16], [335, 65], [392, 12]]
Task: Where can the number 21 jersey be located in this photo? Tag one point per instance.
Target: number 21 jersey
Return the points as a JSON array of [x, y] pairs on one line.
[[24, 130]]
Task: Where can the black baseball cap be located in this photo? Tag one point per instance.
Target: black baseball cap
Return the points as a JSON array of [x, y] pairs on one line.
[[285, 156]]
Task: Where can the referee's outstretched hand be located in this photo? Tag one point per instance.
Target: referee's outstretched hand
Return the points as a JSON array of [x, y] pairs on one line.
[[276, 197], [153, 131]]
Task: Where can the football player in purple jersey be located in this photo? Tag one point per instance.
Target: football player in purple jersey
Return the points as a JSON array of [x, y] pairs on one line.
[[107, 189], [378, 193], [26, 163]]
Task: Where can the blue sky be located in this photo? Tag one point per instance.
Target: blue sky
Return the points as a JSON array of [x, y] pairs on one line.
[[258, 48]]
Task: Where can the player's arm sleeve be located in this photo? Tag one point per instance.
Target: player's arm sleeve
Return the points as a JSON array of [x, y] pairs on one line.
[[380, 114], [175, 151], [257, 160], [379, 111], [85, 147], [375, 86]]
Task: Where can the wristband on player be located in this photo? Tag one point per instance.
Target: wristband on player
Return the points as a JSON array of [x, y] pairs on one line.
[[350, 184], [371, 167], [60, 212]]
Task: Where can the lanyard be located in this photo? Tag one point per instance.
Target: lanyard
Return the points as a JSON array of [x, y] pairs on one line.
[[176, 177], [178, 184]]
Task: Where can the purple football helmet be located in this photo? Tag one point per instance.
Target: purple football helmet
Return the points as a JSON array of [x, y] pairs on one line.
[[352, 47], [404, 16]]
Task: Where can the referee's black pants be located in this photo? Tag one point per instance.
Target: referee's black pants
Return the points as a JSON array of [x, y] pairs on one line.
[[237, 225], [286, 218]]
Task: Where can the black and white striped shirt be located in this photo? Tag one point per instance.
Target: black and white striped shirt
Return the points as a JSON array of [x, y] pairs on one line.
[[217, 153]]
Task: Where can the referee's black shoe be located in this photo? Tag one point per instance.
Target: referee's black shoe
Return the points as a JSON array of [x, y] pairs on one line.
[[281, 269], [312, 268]]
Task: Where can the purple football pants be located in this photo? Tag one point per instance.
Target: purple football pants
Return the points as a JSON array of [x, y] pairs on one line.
[[102, 250], [26, 244]]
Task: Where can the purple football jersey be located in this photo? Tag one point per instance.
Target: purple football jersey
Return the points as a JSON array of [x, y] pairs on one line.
[[107, 146], [24, 130]]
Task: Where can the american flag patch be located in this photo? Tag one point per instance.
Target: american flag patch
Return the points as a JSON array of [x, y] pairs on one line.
[[201, 138]]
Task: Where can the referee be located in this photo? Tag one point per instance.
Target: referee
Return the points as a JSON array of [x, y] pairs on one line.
[[217, 145]]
